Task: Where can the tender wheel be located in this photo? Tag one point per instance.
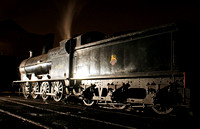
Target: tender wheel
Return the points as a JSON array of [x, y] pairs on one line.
[[35, 88], [119, 106], [88, 95], [45, 88], [26, 90], [58, 90], [162, 109], [88, 102]]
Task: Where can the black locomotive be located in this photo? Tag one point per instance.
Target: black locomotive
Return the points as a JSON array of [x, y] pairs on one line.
[[136, 70]]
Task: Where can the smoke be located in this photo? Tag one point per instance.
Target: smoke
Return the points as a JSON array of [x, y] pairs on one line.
[[68, 10]]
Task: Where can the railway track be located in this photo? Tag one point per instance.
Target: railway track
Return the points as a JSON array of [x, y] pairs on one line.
[[49, 114], [43, 108], [81, 107]]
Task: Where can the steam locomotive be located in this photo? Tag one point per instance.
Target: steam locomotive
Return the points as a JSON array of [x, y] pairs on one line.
[[136, 70]]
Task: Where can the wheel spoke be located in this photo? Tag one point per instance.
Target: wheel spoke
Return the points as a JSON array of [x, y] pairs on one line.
[[35, 88], [26, 89], [58, 90], [45, 88]]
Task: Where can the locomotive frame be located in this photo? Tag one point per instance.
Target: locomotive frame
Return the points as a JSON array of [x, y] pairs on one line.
[[136, 70]]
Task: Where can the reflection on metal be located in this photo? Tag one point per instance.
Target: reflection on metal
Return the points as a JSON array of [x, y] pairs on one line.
[[134, 70], [81, 73], [31, 54]]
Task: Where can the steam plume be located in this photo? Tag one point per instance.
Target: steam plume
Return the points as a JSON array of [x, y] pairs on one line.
[[67, 10]]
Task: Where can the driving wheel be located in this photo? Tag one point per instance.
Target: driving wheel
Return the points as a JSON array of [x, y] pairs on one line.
[[58, 90], [35, 89], [44, 89], [26, 90]]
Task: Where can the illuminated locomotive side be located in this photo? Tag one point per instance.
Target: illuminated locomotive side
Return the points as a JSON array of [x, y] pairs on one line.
[[46, 74], [134, 70]]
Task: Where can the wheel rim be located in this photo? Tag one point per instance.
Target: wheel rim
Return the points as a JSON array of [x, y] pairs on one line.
[[88, 102], [162, 109], [45, 88], [119, 106], [58, 91], [26, 90], [35, 88]]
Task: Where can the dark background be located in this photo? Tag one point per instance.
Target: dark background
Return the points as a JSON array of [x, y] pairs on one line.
[[66, 18], [31, 24]]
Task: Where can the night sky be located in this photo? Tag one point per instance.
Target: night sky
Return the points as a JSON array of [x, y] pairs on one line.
[[67, 18]]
